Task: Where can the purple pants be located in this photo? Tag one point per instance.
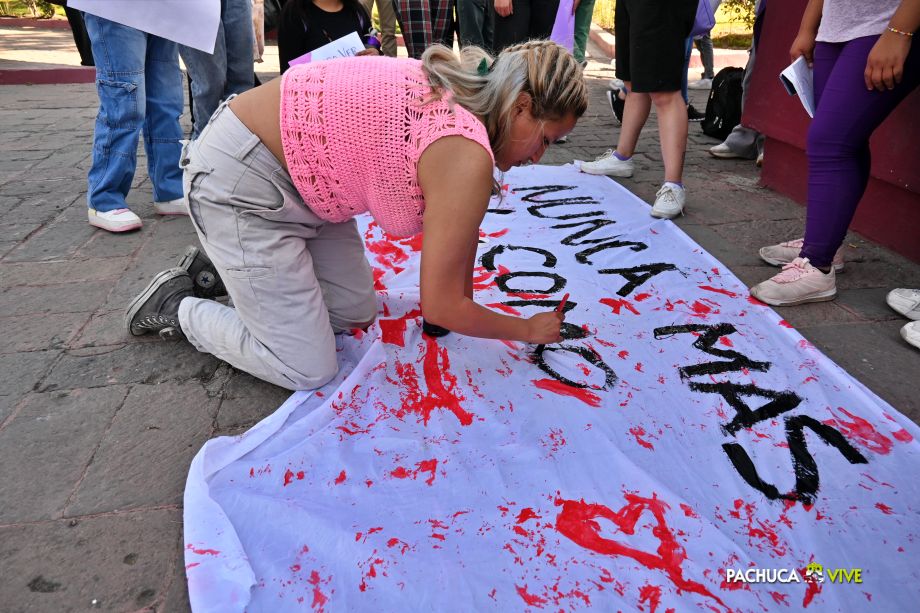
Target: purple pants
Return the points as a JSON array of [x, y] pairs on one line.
[[846, 115]]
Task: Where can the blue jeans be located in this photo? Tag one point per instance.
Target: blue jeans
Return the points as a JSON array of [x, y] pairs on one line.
[[140, 87], [215, 77]]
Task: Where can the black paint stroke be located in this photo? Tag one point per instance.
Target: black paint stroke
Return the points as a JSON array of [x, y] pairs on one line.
[[807, 479], [559, 282], [488, 258], [542, 190], [745, 416], [593, 224], [709, 336], [589, 355], [582, 256], [637, 275]]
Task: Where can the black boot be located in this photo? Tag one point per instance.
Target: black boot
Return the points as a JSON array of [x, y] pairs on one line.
[[207, 283], [156, 309]]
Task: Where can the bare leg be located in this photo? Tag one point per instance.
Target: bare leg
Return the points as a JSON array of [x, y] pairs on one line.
[[672, 131], [635, 114]]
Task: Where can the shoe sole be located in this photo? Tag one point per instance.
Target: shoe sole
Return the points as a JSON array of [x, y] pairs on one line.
[[730, 155], [145, 295], [776, 262], [185, 262], [822, 297], [659, 215], [619, 174], [914, 342], [117, 229]]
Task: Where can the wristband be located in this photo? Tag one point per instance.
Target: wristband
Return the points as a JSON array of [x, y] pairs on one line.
[[900, 32]]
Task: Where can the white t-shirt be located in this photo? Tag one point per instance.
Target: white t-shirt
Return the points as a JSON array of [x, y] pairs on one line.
[[844, 20]]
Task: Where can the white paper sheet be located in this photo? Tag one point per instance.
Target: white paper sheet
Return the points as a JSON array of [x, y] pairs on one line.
[[188, 22], [681, 431], [798, 79], [346, 46]]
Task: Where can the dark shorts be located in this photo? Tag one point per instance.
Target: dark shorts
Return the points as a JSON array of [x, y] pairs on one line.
[[651, 38]]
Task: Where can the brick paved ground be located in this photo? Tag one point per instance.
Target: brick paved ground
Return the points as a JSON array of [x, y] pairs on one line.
[[97, 430]]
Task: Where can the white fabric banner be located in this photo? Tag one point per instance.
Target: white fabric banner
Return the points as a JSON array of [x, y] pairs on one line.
[[683, 447], [188, 22]]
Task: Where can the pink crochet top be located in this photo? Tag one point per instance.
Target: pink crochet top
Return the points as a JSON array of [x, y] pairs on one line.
[[353, 131]]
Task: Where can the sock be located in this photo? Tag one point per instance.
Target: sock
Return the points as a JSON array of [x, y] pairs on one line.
[[617, 155], [675, 184]]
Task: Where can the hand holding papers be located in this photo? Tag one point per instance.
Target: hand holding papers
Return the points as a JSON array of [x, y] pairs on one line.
[[798, 79], [347, 46]]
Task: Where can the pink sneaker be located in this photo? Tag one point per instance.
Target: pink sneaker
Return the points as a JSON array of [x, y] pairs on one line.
[[800, 282], [783, 253]]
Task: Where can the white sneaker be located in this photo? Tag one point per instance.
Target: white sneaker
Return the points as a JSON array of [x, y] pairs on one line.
[[800, 282], [119, 220], [783, 253], [911, 333], [608, 164], [669, 201], [171, 207], [905, 301], [701, 84]]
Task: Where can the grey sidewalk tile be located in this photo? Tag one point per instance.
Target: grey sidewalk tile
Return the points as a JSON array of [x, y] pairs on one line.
[[176, 599], [108, 328], [57, 298], [868, 303], [131, 362], [112, 563], [875, 354], [16, 232], [246, 401], [51, 331], [47, 446], [21, 373], [143, 459], [66, 271], [57, 240]]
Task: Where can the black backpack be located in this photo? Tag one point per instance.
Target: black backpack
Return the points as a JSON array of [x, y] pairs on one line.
[[723, 109]]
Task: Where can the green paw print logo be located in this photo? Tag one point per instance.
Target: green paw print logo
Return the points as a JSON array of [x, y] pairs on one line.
[[814, 573]]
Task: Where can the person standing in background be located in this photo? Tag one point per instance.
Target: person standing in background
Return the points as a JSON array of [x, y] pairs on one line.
[[519, 20], [387, 24], [140, 87], [216, 76], [864, 66], [584, 11], [425, 23], [476, 23], [651, 41]]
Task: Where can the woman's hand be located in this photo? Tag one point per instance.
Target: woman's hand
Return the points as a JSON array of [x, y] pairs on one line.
[[504, 7], [543, 328], [885, 65], [368, 51], [803, 46]]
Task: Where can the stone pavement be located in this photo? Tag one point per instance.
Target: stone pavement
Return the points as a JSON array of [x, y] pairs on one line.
[[97, 429]]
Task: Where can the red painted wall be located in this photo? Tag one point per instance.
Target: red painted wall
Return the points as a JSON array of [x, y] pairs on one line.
[[889, 212]]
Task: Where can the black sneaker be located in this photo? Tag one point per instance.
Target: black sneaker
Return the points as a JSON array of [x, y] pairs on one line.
[[693, 114], [207, 283], [156, 309], [617, 104]]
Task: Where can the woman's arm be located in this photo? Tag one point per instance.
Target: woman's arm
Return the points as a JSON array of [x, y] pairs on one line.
[[804, 43], [455, 174], [885, 65]]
